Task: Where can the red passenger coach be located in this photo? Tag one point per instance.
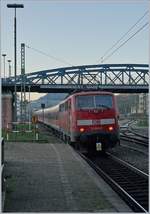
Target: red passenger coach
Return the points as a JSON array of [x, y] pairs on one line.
[[86, 119]]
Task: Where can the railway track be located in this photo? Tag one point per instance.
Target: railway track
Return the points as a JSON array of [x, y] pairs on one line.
[[135, 132], [128, 134], [133, 148], [140, 141], [130, 183]]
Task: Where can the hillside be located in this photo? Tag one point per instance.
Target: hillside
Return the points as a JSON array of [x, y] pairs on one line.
[[49, 100]]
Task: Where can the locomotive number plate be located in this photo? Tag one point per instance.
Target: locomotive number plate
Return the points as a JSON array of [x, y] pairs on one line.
[[95, 122], [98, 146]]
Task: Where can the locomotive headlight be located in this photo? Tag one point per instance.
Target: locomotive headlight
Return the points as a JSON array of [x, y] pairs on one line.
[[81, 129], [110, 128]]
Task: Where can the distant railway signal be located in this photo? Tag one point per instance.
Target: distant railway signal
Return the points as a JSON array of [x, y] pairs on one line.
[[43, 107]]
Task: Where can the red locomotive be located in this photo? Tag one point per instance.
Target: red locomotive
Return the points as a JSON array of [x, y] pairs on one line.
[[85, 119]]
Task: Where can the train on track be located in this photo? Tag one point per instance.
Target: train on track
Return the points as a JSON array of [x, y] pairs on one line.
[[87, 120]]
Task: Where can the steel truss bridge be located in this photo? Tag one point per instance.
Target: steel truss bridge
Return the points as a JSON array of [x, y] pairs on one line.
[[118, 78]]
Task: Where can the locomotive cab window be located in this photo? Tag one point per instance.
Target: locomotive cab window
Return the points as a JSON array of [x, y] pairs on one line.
[[104, 101], [62, 107], [66, 106], [96, 101], [69, 104]]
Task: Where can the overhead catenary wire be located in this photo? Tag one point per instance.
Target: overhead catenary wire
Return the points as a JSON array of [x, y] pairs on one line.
[[126, 41], [50, 56], [125, 34]]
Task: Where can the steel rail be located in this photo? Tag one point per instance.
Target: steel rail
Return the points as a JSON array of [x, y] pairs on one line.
[[141, 173], [135, 140], [134, 149], [124, 135], [127, 196], [137, 134]]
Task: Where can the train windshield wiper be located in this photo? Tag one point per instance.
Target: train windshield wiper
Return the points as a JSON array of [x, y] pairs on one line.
[[86, 108], [103, 106]]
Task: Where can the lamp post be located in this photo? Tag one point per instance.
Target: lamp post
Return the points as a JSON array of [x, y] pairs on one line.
[[9, 61], [29, 108], [4, 55], [15, 6]]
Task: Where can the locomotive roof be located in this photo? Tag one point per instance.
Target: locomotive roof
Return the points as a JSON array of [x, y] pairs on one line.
[[90, 92], [85, 93]]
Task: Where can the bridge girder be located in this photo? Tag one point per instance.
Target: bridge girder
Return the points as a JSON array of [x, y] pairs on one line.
[[112, 77]]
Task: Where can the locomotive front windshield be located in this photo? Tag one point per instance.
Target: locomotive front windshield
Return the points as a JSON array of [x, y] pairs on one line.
[[94, 101]]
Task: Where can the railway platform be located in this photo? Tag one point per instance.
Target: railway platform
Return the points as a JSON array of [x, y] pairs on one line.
[[46, 177]]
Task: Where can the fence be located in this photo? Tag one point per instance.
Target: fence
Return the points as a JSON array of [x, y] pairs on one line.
[[21, 131], [3, 186]]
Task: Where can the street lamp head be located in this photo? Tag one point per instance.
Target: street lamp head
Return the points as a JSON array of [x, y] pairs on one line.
[[8, 60], [3, 55], [15, 5]]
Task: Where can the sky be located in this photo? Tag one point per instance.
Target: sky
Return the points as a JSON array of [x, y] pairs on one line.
[[75, 32]]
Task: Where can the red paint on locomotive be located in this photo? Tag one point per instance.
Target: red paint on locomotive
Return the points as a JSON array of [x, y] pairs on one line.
[[87, 118]]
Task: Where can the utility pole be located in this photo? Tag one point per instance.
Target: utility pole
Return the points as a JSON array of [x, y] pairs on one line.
[[23, 83], [15, 6], [29, 108]]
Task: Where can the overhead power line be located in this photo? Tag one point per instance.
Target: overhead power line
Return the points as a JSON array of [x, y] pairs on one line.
[[123, 36], [48, 55], [126, 41]]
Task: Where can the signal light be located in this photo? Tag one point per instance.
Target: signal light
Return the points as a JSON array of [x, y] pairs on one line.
[[81, 129], [110, 128]]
